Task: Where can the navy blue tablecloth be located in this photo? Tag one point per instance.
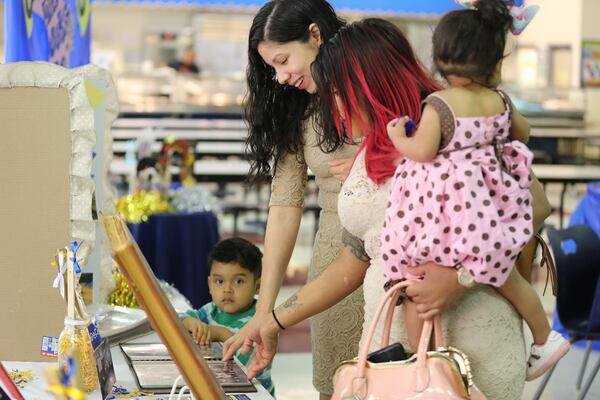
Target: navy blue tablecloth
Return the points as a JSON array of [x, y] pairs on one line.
[[176, 247]]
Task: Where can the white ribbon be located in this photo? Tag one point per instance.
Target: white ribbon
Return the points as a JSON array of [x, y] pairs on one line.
[[59, 281]]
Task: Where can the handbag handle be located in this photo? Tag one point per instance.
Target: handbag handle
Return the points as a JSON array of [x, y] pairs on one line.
[[422, 378], [385, 337]]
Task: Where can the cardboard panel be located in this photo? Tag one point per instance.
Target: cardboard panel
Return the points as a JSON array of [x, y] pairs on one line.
[[35, 153]]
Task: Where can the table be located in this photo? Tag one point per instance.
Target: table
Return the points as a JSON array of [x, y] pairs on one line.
[[566, 174], [36, 389], [177, 246]]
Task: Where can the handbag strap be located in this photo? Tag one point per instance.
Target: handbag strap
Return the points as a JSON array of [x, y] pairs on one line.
[[387, 327], [428, 326], [385, 337]]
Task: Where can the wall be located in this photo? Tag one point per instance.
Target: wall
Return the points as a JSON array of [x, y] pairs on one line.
[[556, 24], [118, 32], [591, 31]]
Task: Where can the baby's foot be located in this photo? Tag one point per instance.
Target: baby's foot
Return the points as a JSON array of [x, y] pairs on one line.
[[544, 356]]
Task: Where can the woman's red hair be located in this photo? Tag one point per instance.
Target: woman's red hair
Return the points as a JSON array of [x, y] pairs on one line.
[[376, 75]]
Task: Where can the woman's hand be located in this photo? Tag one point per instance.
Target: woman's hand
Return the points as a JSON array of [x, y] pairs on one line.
[[233, 344], [438, 289], [265, 349], [199, 330], [340, 168]]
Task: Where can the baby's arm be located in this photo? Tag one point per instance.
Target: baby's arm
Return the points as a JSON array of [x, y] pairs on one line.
[[425, 142]]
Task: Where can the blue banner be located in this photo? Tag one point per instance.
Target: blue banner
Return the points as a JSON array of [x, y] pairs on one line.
[[57, 31], [391, 6]]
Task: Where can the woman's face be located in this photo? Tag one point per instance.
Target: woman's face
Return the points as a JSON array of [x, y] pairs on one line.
[[292, 61]]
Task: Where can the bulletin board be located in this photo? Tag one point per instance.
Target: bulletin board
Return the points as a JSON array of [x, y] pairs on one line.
[[34, 217], [590, 63]]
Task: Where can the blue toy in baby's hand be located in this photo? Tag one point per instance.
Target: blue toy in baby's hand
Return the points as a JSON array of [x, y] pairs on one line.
[[409, 127]]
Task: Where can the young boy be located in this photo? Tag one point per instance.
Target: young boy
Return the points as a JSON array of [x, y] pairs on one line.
[[234, 279]]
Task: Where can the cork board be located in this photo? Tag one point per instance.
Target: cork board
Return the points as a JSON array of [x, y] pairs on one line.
[[35, 156]]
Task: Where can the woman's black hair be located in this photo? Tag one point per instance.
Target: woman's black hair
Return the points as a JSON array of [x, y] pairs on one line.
[[276, 113], [470, 43]]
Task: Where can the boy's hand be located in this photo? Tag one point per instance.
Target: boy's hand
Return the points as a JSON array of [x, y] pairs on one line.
[[199, 330]]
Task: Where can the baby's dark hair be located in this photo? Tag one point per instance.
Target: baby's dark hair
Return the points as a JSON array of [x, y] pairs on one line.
[[470, 42], [237, 251]]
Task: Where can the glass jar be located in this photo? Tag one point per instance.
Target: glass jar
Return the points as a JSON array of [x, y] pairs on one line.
[[75, 335]]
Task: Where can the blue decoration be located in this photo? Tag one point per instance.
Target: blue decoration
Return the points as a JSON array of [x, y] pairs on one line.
[[68, 372], [392, 6], [73, 247], [58, 31]]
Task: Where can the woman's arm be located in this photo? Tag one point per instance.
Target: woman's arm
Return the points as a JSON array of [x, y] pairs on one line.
[[285, 212], [283, 223], [344, 275]]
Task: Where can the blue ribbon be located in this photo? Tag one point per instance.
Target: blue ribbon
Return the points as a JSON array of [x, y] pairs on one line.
[[73, 247], [69, 372]]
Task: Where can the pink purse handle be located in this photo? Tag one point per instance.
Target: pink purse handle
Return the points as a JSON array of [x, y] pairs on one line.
[[385, 337], [391, 296]]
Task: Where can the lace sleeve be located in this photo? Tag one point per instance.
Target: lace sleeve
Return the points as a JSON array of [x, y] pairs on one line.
[[289, 182]]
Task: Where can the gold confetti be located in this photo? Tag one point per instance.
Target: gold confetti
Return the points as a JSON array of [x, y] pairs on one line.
[[137, 207], [77, 336], [122, 295], [21, 377], [137, 393]]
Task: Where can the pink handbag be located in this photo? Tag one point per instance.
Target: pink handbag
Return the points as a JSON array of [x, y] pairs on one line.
[[441, 374]]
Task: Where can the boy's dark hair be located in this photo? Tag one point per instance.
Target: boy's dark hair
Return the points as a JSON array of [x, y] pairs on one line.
[[237, 251], [470, 43]]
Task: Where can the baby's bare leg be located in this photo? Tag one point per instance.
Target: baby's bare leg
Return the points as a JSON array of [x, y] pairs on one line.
[[522, 296], [413, 325]]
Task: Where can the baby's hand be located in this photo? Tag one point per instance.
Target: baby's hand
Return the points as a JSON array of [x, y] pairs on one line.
[[400, 127], [199, 330]]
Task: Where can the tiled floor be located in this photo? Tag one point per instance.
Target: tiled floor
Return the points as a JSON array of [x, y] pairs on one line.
[[292, 372]]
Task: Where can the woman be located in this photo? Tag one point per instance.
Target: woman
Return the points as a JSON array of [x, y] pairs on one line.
[[279, 111], [477, 321]]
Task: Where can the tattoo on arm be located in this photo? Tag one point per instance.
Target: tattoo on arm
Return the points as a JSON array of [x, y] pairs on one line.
[[357, 246], [291, 303]]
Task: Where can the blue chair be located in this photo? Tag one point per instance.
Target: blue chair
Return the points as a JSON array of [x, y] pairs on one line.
[[577, 258]]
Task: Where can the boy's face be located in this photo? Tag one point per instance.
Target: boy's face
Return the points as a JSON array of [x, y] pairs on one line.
[[232, 287]]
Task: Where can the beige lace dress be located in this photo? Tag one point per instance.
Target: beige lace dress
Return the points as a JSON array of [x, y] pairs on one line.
[[482, 323], [333, 332]]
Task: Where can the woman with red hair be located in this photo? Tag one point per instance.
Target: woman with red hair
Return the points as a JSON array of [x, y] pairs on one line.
[[366, 75]]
